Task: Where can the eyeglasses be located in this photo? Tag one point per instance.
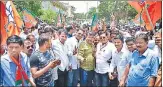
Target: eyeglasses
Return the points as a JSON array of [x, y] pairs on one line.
[[29, 46]]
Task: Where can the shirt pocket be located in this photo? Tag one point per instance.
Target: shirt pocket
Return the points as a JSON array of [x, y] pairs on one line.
[[123, 62], [140, 70]]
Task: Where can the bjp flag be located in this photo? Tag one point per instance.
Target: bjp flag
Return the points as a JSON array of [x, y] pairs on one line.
[[137, 5], [10, 21], [155, 14], [29, 20]]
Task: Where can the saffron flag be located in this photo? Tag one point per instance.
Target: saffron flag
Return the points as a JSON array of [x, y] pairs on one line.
[[137, 5], [28, 18], [155, 14], [11, 22]]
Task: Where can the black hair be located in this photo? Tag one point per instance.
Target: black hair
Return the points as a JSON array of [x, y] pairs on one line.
[[14, 39], [128, 39], [42, 39], [62, 30], [48, 29], [143, 36], [69, 28], [41, 30], [119, 36], [102, 32]]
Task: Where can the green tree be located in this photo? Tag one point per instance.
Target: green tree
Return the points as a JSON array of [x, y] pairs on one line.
[[49, 16], [79, 16], [91, 12], [121, 10], [33, 6]]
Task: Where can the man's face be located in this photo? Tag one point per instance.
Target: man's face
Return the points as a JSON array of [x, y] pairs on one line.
[[27, 30], [89, 39], [108, 36], [32, 39], [141, 44], [158, 39], [113, 35], [96, 40], [118, 43], [63, 37], [50, 34], [103, 38], [79, 34], [131, 46], [72, 31], [14, 49], [48, 44], [28, 47]]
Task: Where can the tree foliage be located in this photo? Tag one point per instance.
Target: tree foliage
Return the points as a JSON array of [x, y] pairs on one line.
[[121, 9], [79, 16], [91, 12], [49, 16], [33, 6]]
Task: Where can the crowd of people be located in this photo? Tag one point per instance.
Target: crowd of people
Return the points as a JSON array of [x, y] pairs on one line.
[[45, 55]]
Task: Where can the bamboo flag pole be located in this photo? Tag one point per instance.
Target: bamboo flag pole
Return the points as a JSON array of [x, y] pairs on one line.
[[148, 16]]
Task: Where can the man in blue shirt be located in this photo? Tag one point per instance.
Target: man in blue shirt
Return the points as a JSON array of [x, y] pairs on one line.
[[9, 68], [143, 66], [70, 31]]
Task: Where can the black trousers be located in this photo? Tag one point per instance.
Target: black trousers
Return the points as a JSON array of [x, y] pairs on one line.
[[114, 83], [62, 78]]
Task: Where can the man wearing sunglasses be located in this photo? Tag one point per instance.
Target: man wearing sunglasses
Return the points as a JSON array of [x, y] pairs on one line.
[[28, 47]]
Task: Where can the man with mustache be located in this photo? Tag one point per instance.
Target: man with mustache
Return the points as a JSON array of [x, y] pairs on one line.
[[158, 49], [28, 49], [143, 66]]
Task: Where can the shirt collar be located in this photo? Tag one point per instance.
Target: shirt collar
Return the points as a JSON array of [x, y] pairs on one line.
[[122, 50], [9, 59], [60, 42], [146, 52]]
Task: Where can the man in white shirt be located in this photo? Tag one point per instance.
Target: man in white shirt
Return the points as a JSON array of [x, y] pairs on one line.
[[73, 44], [60, 48], [119, 58], [130, 43], [24, 33], [103, 54]]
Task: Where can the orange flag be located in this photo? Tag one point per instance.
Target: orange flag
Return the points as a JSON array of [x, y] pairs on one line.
[[155, 14], [136, 5], [3, 22], [10, 21], [17, 18], [29, 20]]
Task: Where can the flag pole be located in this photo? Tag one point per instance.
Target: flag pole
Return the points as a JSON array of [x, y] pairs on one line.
[[148, 16]]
